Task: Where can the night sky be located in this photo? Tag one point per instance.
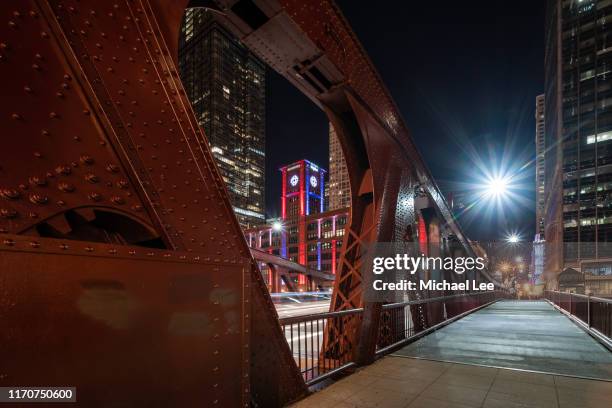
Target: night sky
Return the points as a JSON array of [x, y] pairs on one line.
[[464, 75]]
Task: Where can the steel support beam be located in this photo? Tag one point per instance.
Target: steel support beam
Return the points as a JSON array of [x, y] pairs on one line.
[[270, 259], [104, 137]]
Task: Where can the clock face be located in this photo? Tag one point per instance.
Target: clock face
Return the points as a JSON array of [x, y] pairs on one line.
[[294, 180], [313, 181]]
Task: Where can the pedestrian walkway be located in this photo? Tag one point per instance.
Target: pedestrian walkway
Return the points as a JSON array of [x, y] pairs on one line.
[[527, 335], [508, 355], [400, 382]]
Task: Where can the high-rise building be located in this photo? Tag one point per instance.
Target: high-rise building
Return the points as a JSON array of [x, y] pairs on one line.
[[339, 187], [539, 165], [225, 83], [578, 136]]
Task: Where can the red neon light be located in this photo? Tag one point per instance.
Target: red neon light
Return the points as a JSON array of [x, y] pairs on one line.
[[302, 184], [333, 256], [302, 249], [284, 195], [422, 236], [302, 242]]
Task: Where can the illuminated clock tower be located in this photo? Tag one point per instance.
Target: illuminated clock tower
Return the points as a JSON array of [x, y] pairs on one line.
[[302, 196], [303, 190]]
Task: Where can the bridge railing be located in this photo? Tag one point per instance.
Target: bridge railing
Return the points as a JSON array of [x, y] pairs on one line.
[[397, 327], [305, 337], [594, 313]]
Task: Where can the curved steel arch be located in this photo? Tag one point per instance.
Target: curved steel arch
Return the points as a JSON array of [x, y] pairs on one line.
[[312, 45], [93, 104]]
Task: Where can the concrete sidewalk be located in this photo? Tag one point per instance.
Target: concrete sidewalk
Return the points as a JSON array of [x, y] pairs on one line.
[[399, 382]]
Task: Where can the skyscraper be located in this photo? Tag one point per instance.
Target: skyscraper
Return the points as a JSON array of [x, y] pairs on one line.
[[578, 135], [226, 85], [539, 177], [338, 188]]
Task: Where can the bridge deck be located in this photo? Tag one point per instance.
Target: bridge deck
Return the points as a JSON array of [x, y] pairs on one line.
[[511, 334], [527, 335], [398, 382]]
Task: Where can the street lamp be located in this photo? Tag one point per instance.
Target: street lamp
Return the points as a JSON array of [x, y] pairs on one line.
[[497, 186], [277, 226], [513, 238]]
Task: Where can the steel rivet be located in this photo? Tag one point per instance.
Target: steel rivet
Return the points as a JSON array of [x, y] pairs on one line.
[[92, 178], [9, 194], [86, 160], [95, 196], [66, 187], [37, 181], [8, 213], [38, 199]]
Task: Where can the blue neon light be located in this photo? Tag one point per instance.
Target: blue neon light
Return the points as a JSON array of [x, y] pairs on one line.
[[283, 245]]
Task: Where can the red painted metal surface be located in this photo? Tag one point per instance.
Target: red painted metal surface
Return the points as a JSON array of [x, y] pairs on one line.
[[101, 142], [126, 326]]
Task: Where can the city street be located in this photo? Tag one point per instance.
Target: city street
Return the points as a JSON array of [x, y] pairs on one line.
[[299, 309]]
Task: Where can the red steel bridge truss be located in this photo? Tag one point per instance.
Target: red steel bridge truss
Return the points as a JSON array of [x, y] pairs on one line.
[[123, 271]]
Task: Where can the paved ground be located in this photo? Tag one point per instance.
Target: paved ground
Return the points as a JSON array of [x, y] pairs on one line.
[[516, 335], [528, 335], [400, 382]]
